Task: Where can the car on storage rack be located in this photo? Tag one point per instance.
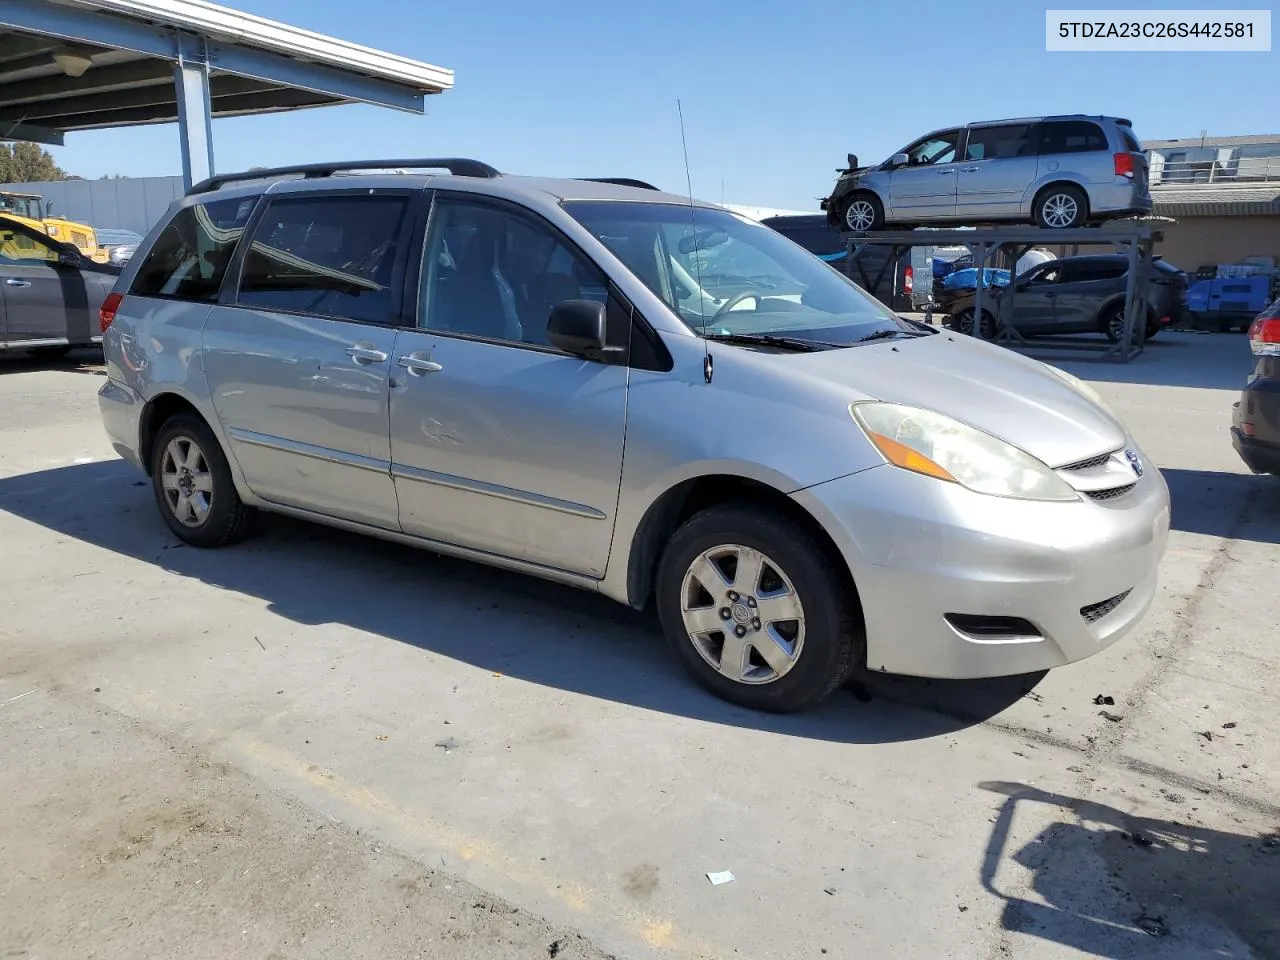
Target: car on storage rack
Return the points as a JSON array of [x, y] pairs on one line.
[[458, 361], [1056, 172], [1075, 295]]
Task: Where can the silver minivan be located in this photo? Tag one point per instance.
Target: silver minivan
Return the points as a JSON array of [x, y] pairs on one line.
[[636, 394], [1055, 172]]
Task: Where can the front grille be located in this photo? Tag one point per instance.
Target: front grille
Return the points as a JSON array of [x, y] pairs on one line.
[[1096, 611], [1110, 494], [1097, 461]]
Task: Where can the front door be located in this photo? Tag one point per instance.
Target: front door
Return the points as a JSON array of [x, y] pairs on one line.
[[998, 169], [1034, 299], [925, 187], [499, 441], [298, 357], [43, 300]]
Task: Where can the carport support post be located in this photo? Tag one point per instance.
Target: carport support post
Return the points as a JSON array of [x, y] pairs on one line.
[[195, 117]]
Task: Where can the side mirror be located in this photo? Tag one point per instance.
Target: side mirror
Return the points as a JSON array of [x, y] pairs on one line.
[[899, 160], [578, 327]]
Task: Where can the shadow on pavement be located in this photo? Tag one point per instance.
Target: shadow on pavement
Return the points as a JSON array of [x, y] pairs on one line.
[[1234, 506], [504, 622], [1113, 885], [81, 360]]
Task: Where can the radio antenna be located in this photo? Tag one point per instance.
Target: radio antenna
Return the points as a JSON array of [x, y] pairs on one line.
[[707, 367]]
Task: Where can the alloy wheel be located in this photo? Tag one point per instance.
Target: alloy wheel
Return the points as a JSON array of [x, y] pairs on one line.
[[1059, 210], [742, 614], [187, 481], [860, 216]]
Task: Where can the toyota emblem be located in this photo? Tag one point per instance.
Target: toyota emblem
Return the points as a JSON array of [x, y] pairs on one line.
[[1135, 461]]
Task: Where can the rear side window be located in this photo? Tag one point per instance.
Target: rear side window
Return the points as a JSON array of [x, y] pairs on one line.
[[1086, 270], [1071, 136], [1130, 141], [190, 257], [329, 256], [999, 143]]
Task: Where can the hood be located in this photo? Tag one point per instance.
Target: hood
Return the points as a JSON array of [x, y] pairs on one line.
[[994, 389]]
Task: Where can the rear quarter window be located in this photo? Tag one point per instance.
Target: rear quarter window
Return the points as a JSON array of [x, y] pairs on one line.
[[1071, 136], [1130, 141], [189, 259]]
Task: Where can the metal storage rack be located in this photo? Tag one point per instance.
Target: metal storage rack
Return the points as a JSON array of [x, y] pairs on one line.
[[1136, 241]]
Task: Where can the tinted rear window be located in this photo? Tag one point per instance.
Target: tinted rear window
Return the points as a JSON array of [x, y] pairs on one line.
[[328, 256], [1086, 270], [1071, 136], [190, 257], [1130, 141]]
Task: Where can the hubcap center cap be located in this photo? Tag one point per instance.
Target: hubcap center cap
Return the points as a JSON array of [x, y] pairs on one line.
[[740, 613]]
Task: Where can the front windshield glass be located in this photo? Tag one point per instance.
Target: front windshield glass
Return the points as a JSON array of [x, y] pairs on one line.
[[731, 276]]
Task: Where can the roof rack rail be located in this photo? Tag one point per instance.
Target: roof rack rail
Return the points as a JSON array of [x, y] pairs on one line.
[[458, 166], [621, 182]]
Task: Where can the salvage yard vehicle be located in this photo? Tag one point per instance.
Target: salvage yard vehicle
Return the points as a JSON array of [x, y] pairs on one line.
[[1076, 295], [32, 210], [575, 379], [1055, 172], [1255, 420], [50, 294]]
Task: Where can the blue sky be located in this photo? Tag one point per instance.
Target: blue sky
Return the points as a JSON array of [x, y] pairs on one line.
[[774, 94]]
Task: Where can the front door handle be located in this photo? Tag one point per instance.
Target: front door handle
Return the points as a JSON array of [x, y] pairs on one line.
[[11, 282], [418, 366], [969, 170], [366, 355], [944, 173]]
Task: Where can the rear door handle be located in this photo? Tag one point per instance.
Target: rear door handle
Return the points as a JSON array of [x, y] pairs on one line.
[[418, 366], [11, 282], [969, 170], [366, 355], [943, 173]]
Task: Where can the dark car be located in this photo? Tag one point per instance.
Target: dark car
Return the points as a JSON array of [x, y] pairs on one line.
[[50, 293], [905, 284], [1076, 295], [1255, 422]]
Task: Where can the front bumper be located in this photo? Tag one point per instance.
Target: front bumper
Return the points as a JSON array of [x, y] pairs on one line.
[[121, 411], [920, 549]]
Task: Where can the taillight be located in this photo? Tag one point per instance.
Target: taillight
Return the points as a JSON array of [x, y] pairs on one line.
[[107, 312], [1264, 337], [908, 284], [1124, 165]]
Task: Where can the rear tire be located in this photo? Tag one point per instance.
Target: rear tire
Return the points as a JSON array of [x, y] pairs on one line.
[[756, 608], [1062, 207], [192, 483], [962, 322], [1112, 325]]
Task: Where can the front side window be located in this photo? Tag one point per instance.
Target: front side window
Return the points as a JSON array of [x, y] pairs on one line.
[[330, 256], [189, 259], [999, 143], [939, 148], [1071, 136], [494, 273], [724, 275]]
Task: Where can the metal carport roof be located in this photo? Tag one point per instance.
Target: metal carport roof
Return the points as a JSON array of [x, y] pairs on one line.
[[69, 65]]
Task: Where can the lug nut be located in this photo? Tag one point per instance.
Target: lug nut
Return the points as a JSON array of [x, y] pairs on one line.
[[741, 631], [756, 623], [751, 601], [733, 596], [724, 613]]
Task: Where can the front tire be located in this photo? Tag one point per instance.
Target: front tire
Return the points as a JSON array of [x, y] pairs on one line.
[[1061, 208], [755, 607], [192, 483], [962, 322], [863, 213]]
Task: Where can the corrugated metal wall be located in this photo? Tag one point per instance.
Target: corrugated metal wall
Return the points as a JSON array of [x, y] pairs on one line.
[[131, 204]]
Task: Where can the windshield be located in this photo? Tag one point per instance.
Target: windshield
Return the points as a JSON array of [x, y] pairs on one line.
[[28, 207], [732, 276]]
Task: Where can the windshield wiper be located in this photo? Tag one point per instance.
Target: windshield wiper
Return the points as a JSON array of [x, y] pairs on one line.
[[886, 334], [769, 340]]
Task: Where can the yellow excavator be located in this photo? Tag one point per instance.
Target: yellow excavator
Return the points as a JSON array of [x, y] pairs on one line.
[[30, 209]]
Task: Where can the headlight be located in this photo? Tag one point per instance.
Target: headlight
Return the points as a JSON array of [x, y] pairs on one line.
[[937, 446], [1081, 388]]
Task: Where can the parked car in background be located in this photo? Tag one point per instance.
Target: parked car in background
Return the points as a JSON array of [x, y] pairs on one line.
[[1076, 295], [1255, 421], [1056, 172], [50, 293], [811, 483], [905, 285], [119, 245]]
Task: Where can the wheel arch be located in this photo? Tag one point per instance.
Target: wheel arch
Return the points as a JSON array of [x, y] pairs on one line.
[[157, 411], [1055, 184], [694, 494]]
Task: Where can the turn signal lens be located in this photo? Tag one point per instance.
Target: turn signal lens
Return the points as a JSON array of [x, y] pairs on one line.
[[899, 454]]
